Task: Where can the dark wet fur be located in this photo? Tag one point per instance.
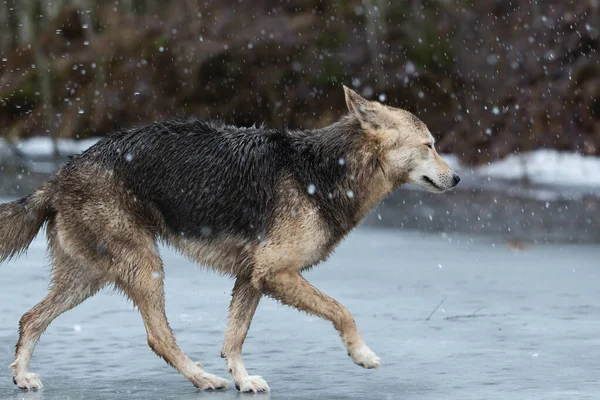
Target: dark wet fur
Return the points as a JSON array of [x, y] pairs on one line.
[[211, 179]]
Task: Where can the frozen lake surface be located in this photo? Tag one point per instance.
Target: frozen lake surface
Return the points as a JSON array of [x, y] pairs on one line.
[[513, 325]]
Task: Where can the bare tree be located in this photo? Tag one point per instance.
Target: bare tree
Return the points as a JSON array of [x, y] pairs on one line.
[[53, 7], [375, 26], [49, 11], [26, 21], [6, 39], [90, 35]]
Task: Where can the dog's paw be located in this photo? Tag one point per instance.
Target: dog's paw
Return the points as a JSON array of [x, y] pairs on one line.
[[28, 381], [252, 384], [364, 357], [206, 381]]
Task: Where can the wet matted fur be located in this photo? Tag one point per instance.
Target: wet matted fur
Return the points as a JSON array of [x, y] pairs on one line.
[[257, 204]]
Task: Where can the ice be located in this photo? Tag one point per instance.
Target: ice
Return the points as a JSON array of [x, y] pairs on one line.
[[512, 323]]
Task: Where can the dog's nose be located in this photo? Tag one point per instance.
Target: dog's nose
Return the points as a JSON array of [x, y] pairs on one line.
[[456, 179]]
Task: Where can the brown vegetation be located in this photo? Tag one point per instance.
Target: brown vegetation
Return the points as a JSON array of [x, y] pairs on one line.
[[488, 77]]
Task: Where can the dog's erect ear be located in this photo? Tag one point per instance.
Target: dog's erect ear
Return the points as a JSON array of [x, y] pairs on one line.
[[363, 109]]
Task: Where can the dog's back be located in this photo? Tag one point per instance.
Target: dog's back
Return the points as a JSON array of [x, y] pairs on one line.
[[204, 179]]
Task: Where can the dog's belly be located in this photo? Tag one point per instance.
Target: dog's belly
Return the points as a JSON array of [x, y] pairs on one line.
[[227, 254]]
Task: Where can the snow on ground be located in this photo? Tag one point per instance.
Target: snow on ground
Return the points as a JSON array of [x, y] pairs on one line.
[[549, 167]]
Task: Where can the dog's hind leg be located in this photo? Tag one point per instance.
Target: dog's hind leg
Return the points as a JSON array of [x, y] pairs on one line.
[[141, 278], [71, 285], [244, 301], [290, 288]]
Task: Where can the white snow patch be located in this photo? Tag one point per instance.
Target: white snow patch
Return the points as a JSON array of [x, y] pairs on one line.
[[42, 146], [547, 167]]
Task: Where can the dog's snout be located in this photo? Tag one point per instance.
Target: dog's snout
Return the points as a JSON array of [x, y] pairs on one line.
[[455, 180]]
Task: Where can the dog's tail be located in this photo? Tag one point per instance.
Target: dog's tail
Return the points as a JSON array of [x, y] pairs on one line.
[[21, 220]]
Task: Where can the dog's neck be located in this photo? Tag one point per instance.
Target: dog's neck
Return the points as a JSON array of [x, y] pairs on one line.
[[341, 168]]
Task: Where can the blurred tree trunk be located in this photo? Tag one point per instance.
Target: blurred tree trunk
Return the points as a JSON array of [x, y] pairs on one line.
[[90, 35], [47, 12], [152, 5], [142, 6], [86, 8], [375, 26], [13, 24], [129, 5], [53, 7], [7, 20], [536, 15], [26, 21]]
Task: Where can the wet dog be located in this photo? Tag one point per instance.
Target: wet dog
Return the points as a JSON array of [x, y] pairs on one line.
[[259, 205]]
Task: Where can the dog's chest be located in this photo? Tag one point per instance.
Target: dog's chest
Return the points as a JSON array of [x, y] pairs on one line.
[[298, 241]]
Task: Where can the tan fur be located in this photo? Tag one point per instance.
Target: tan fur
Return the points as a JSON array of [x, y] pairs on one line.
[[231, 256], [402, 140], [98, 242], [100, 235], [376, 188], [299, 240], [245, 298]]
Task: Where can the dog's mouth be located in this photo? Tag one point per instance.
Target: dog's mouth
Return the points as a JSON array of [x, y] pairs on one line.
[[431, 183]]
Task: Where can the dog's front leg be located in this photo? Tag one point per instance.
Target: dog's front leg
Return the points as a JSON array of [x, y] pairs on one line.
[[244, 301], [290, 288]]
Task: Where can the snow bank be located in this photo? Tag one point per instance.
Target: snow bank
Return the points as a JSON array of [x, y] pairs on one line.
[[546, 167], [42, 146]]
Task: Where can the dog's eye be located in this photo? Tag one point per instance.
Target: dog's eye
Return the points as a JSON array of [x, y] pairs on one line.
[[429, 145]]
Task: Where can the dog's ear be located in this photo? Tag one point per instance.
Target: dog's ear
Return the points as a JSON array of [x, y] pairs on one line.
[[363, 109]]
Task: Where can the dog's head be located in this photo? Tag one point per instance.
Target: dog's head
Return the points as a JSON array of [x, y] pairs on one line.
[[405, 145]]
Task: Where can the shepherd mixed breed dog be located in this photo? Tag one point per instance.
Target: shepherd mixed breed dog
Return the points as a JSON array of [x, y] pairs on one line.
[[259, 205]]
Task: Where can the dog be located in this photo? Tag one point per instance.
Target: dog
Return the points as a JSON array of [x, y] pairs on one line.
[[257, 204]]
